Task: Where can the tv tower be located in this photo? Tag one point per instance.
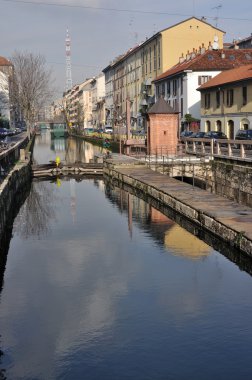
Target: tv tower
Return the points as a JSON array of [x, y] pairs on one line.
[[69, 82]]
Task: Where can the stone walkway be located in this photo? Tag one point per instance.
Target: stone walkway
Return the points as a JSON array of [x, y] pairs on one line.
[[235, 217]]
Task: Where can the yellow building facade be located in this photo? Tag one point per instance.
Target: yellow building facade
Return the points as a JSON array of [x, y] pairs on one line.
[[226, 102], [134, 72]]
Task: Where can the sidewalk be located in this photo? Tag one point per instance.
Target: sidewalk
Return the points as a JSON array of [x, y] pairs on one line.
[[230, 221]]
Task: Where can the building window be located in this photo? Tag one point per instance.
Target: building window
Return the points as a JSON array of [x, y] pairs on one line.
[[230, 129], [155, 57], [218, 125], [181, 86], [174, 86], [146, 62], [207, 101], [181, 107], [168, 89], [203, 79], [150, 58], [159, 57], [230, 97], [175, 105], [208, 126], [163, 89], [218, 99], [244, 96]]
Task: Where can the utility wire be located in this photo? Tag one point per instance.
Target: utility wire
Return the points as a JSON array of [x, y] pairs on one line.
[[119, 10]]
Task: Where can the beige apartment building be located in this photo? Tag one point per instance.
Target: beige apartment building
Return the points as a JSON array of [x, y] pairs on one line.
[[6, 75], [226, 101], [132, 73], [77, 104], [98, 101]]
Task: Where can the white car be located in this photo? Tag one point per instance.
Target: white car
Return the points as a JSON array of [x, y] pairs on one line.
[[108, 129]]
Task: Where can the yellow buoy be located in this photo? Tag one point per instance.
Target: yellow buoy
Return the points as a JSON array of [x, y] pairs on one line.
[[58, 182], [57, 161]]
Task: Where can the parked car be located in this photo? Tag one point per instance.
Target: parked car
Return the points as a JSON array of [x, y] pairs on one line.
[[99, 130], [244, 134], [216, 135], [198, 135], [11, 132], [18, 130], [108, 129], [138, 132], [186, 134], [88, 131], [3, 132]]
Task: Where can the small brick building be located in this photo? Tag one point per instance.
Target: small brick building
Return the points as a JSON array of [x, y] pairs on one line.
[[162, 133]]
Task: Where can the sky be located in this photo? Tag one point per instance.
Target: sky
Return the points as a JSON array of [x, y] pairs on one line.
[[100, 30]]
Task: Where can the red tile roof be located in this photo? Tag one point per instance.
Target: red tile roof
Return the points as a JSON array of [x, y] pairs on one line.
[[211, 60], [4, 62], [234, 75]]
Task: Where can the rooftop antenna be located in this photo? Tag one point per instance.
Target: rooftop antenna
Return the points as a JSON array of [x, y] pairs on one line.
[[216, 18], [69, 82]]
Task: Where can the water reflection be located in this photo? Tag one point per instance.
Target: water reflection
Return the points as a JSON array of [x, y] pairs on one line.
[[100, 284], [5, 237], [70, 150], [34, 218], [189, 241], [183, 243], [102, 296]]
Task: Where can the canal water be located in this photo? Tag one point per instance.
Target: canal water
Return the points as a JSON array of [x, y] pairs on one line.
[[99, 285]]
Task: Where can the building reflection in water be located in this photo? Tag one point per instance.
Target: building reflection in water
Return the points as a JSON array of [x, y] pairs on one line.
[[78, 150], [166, 232], [58, 144], [73, 199], [70, 149], [183, 243], [174, 239]]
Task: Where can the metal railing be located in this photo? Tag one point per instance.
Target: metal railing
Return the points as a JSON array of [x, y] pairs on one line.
[[9, 155], [239, 149]]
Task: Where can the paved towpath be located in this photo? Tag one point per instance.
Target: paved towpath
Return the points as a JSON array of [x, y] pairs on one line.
[[229, 213]]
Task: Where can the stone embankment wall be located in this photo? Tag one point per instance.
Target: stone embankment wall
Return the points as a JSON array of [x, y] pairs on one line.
[[228, 178], [11, 191], [201, 219], [232, 180]]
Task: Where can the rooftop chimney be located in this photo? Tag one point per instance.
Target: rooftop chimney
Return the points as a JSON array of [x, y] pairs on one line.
[[202, 49], [182, 58]]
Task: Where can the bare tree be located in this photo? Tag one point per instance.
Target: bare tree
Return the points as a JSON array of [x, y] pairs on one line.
[[63, 112], [31, 85], [37, 212], [80, 117]]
